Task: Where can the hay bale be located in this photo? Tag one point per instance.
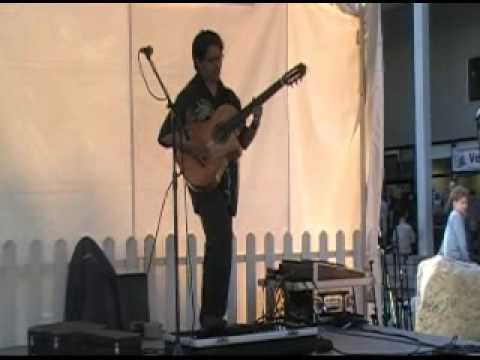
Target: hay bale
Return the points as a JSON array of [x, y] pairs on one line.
[[448, 298]]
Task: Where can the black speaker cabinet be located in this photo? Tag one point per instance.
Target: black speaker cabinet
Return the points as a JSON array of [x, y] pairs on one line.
[[474, 78], [133, 293], [299, 307]]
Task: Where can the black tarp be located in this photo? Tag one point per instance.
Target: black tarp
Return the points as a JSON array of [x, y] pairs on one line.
[[92, 291]]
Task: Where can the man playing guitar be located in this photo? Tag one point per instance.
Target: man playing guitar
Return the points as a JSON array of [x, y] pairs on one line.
[[216, 205]]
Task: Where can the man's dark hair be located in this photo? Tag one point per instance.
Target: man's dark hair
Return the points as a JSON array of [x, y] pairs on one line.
[[201, 43]]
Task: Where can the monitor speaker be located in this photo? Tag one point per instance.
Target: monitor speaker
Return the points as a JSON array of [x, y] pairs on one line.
[[133, 293], [299, 307]]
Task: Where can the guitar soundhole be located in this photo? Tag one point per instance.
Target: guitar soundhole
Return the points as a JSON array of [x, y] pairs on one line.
[[220, 135]]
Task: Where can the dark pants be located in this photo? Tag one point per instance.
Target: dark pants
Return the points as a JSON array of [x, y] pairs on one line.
[[217, 225]]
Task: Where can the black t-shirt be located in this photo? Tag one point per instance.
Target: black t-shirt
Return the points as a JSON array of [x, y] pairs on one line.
[[197, 98]]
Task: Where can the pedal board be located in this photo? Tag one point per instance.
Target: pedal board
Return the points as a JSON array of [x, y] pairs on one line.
[[247, 339]]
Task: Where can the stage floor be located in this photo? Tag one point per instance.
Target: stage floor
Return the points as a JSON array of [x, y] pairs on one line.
[[369, 341], [345, 342], [14, 351]]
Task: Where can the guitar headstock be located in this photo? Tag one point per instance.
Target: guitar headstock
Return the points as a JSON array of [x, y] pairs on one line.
[[295, 74]]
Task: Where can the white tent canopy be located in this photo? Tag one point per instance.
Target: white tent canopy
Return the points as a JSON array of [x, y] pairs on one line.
[[78, 130]]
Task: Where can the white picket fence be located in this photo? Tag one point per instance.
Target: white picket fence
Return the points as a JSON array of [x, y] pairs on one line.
[[34, 292]]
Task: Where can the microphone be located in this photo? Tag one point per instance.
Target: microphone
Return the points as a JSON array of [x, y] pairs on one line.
[[147, 51]]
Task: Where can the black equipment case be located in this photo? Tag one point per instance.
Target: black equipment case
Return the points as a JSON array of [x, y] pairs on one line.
[[63, 338]]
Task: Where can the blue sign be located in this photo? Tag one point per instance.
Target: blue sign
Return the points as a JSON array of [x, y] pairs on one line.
[[466, 159]]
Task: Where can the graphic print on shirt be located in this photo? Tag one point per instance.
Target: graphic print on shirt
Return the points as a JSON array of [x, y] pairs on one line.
[[203, 110]]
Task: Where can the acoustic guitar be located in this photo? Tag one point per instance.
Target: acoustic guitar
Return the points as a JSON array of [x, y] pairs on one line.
[[219, 133]]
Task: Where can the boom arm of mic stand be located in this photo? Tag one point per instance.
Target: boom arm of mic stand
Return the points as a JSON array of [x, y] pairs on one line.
[[170, 105], [169, 100]]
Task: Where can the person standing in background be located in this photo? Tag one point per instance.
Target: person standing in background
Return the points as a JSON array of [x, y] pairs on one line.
[[404, 236], [454, 245]]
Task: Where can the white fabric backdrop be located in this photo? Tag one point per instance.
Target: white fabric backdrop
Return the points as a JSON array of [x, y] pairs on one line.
[[314, 134], [64, 128], [374, 135], [323, 114], [65, 110], [255, 56]]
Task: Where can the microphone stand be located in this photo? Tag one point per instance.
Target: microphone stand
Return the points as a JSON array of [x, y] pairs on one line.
[[177, 350], [375, 310]]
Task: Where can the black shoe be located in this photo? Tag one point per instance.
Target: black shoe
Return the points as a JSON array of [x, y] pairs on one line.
[[212, 326]]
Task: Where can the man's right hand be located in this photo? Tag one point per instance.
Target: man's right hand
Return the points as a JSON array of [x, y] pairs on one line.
[[201, 153]]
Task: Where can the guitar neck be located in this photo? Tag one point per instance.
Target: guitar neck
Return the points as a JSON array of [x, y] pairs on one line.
[[238, 119]]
